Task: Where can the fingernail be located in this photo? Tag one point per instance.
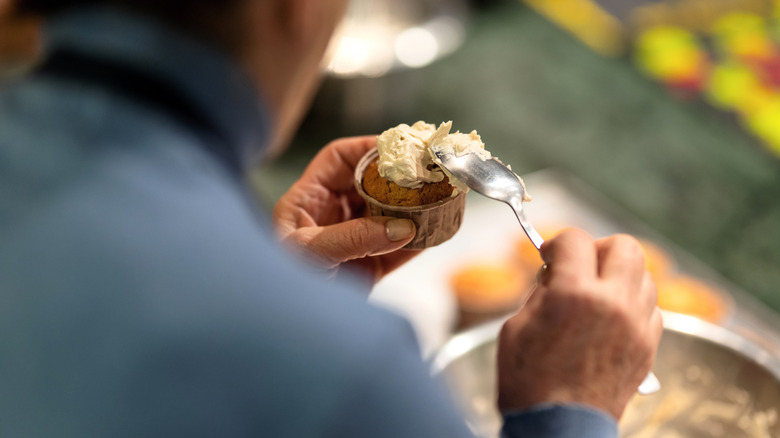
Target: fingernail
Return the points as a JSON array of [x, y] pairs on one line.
[[399, 229]]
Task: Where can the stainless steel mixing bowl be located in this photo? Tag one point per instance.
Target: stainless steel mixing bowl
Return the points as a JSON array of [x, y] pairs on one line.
[[715, 384]]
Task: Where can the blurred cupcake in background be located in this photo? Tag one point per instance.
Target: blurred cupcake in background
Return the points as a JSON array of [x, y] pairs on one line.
[[658, 262], [488, 290], [682, 293], [692, 296], [526, 256]]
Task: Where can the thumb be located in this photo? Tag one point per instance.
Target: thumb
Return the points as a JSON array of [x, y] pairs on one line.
[[354, 239]]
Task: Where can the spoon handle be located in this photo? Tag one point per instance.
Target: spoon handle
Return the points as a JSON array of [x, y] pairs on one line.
[[530, 231], [650, 385]]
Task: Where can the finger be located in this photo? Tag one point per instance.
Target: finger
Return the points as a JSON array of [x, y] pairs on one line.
[[649, 292], [621, 258], [355, 239], [570, 254], [656, 326], [334, 166], [542, 275]]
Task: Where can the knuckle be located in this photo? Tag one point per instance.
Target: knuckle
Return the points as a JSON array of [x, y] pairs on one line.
[[332, 145], [574, 235], [630, 246], [359, 235], [626, 247]]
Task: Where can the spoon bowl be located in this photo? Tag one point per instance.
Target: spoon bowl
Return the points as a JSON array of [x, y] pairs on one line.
[[491, 178]]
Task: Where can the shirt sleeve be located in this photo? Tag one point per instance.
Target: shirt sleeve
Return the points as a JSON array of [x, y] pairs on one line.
[[559, 421], [393, 395]]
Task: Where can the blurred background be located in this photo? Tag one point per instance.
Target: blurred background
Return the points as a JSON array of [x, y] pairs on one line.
[[669, 109]]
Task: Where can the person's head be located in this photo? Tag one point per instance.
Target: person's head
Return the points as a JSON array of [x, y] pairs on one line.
[[279, 43]]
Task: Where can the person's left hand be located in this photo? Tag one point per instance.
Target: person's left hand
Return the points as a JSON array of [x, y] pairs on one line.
[[321, 216]]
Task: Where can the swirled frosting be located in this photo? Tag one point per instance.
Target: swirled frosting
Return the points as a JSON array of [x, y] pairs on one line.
[[406, 157]]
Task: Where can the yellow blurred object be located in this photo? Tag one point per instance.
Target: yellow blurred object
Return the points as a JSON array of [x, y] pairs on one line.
[[670, 53], [764, 121], [774, 147], [755, 100], [695, 15], [588, 21], [733, 85], [744, 34], [736, 23], [693, 297]]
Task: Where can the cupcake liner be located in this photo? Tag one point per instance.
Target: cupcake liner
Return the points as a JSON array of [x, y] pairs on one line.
[[436, 223]]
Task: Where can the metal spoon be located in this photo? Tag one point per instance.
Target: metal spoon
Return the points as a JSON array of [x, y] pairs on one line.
[[493, 179]]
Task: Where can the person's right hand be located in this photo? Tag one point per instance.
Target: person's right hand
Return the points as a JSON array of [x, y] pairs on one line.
[[590, 331]]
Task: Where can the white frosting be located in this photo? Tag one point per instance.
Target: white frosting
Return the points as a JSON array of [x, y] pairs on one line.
[[406, 153], [458, 144], [404, 157]]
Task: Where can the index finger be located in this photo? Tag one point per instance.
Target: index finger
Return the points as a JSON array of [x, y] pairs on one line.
[[571, 254], [334, 166], [621, 256]]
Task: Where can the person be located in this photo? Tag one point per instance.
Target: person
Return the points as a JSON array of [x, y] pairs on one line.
[[145, 293]]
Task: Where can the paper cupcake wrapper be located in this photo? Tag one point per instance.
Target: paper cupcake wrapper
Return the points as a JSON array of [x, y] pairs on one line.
[[436, 223]]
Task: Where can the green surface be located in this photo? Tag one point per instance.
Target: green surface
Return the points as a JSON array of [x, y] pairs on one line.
[[540, 99]]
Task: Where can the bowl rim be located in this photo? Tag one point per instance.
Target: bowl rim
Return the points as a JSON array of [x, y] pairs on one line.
[[468, 340]]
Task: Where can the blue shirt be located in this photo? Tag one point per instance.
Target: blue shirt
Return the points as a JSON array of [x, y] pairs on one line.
[[143, 294]]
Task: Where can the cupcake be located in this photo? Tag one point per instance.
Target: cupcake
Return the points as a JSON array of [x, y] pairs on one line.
[[693, 296], [658, 262], [400, 178], [485, 291], [526, 256]]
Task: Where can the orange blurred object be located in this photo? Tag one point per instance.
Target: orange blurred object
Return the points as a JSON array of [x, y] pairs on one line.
[[527, 255], [488, 290], [692, 297], [657, 261]]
